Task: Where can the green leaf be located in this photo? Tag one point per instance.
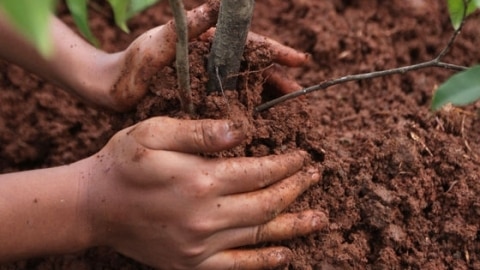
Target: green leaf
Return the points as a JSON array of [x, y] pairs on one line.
[[137, 6], [456, 9], [125, 9], [120, 11], [79, 11], [32, 19], [461, 89]]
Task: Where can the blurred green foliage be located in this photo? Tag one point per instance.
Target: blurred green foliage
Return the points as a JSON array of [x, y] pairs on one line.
[[456, 10], [462, 88], [31, 17]]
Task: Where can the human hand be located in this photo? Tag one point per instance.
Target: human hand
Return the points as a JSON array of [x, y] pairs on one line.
[[151, 198], [156, 49]]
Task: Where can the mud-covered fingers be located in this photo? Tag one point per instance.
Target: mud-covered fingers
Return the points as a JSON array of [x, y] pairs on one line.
[[202, 18], [241, 175], [236, 259], [281, 54], [283, 227], [259, 207], [280, 81], [205, 36], [153, 50], [199, 20], [188, 136], [161, 41]]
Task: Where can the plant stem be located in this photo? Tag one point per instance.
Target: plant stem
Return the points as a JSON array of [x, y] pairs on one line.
[[228, 43], [436, 62], [181, 62], [357, 77]]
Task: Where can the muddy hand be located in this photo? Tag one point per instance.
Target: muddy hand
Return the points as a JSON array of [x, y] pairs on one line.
[[154, 50], [153, 199], [281, 56]]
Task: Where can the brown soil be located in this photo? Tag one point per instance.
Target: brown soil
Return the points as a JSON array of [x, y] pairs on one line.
[[400, 183]]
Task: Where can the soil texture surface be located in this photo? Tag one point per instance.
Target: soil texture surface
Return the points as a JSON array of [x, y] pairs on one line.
[[400, 183]]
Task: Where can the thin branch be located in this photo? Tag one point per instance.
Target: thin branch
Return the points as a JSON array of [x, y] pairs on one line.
[[450, 42], [436, 62], [357, 77], [183, 72]]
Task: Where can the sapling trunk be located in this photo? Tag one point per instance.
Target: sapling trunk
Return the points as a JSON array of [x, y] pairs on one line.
[[183, 71], [229, 43]]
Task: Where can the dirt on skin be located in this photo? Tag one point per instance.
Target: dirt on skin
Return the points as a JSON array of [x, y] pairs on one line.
[[400, 183]]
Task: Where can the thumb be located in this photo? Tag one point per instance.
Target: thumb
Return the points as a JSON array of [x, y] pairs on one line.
[[188, 136]]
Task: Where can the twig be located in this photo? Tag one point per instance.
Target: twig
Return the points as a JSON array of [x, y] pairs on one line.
[[436, 62], [183, 73], [221, 89]]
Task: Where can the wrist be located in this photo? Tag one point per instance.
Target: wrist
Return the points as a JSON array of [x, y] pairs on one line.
[[94, 80], [43, 212], [91, 202], [96, 200], [85, 225]]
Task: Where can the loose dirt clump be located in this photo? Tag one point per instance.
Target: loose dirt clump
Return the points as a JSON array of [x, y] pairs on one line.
[[400, 183]]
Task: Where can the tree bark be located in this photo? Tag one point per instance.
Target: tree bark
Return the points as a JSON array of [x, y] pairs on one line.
[[229, 43]]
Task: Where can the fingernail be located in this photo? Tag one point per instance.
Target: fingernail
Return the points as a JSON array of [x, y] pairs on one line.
[[304, 155], [307, 57], [283, 256], [234, 131], [319, 220], [312, 171], [314, 175]]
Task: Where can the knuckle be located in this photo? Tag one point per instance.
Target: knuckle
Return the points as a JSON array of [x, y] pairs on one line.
[[259, 234], [231, 168], [269, 211], [265, 173], [199, 226], [139, 154], [202, 187], [200, 134], [236, 265], [140, 131], [192, 252]]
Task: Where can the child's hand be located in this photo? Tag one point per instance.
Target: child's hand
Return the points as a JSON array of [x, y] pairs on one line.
[[152, 198], [156, 49]]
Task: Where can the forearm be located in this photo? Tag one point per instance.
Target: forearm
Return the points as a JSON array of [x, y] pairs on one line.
[[42, 212], [75, 65]]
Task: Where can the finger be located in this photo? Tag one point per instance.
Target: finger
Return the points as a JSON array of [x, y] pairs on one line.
[[259, 207], [265, 258], [241, 175], [280, 81], [187, 136], [283, 227], [154, 49], [281, 54], [163, 39]]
